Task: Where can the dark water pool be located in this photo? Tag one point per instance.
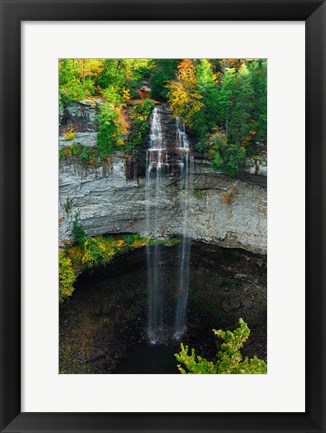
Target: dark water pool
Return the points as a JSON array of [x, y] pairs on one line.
[[147, 358], [103, 327]]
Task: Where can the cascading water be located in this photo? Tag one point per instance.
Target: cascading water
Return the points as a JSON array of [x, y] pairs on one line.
[[186, 168], [156, 166], [156, 162]]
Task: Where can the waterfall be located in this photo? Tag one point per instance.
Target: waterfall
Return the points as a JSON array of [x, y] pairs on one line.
[[156, 162], [156, 167], [186, 169]]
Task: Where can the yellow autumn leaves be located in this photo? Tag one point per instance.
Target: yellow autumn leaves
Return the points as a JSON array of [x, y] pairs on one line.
[[185, 100], [94, 251]]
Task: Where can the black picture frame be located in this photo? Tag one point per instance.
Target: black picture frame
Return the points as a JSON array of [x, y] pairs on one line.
[[12, 14]]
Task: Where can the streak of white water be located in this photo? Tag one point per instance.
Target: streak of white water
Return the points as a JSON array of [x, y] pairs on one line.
[[156, 163], [186, 169], [182, 139], [156, 159]]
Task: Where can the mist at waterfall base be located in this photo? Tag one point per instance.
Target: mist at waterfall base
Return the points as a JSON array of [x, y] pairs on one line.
[[158, 165]]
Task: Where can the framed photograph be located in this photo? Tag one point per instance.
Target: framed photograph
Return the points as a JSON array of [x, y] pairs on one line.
[[162, 218]]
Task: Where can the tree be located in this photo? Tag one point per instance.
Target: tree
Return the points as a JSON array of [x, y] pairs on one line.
[[258, 73], [124, 73], [164, 71], [240, 122], [185, 100], [77, 79], [226, 96], [228, 157], [112, 128], [206, 119], [229, 358]]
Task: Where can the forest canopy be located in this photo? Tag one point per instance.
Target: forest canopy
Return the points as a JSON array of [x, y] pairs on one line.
[[222, 102]]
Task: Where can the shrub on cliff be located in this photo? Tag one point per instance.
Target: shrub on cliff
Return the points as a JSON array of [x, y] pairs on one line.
[[229, 159], [88, 252], [229, 358], [112, 127], [78, 230], [67, 277], [97, 251]]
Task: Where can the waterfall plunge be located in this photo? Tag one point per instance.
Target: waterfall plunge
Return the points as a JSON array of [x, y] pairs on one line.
[[156, 159], [186, 169], [156, 166]]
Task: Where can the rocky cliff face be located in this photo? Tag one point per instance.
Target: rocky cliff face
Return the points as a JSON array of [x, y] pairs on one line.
[[82, 116], [111, 195], [223, 211]]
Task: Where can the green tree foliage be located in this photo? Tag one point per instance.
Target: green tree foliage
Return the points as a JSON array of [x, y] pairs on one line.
[[142, 69], [112, 118], [113, 73], [95, 252], [239, 95], [242, 101], [229, 358], [77, 79], [164, 71], [139, 118], [206, 118], [258, 73], [225, 95], [117, 80], [78, 230], [228, 158], [127, 73], [111, 129]]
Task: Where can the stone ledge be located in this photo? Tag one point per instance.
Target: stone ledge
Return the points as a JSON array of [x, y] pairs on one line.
[[88, 139]]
